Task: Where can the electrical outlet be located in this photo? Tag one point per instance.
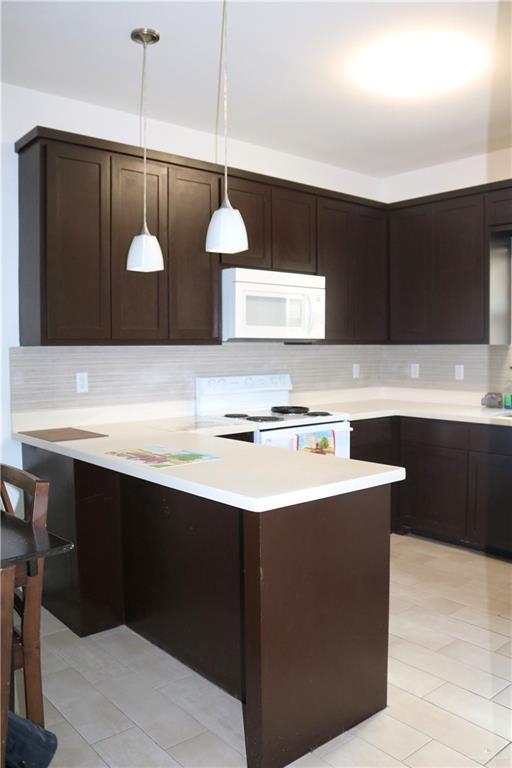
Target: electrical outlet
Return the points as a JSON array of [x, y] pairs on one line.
[[82, 382], [414, 370], [459, 373], [356, 371]]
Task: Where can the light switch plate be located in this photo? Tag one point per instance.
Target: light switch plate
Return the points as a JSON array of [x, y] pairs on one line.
[[414, 370], [82, 382], [356, 371], [459, 372]]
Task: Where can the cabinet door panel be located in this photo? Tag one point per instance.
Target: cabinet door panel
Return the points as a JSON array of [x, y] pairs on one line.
[[433, 498], [459, 271], [139, 299], [490, 502], [193, 273], [293, 230], [411, 273], [370, 300], [253, 200], [77, 243], [498, 207], [334, 262]]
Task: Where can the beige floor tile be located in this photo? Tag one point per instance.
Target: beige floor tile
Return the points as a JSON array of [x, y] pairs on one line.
[[66, 686], [482, 712], [391, 736], [451, 730], [215, 709], [333, 744], [438, 604], [83, 654], [436, 755], [95, 718], [51, 714], [407, 628], [207, 751], [503, 759], [455, 628], [506, 649], [357, 753], [134, 749], [72, 750], [485, 620], [399, 604], [504, 697], [50, 623], [308, 761], [164, 721], [448, 669], [411, 679], [480, 658], [50, 661]]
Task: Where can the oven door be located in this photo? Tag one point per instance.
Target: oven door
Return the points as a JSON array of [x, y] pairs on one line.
[[325, 439]]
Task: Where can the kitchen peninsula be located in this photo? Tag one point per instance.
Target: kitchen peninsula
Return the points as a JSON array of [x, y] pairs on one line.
[[223, 563]]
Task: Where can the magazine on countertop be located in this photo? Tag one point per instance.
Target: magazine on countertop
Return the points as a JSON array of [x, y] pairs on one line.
[[160, 457]]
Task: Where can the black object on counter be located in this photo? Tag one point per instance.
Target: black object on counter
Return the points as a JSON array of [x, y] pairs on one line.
[[289, 409]]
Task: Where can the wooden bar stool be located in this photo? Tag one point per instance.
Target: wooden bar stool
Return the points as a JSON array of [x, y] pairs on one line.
[[28, 582]]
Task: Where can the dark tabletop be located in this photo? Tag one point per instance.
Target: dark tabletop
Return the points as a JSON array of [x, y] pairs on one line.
[[22, 541]]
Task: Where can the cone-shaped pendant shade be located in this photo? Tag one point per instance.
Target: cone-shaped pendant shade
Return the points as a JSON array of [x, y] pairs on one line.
[[226, 232], [145, 254]]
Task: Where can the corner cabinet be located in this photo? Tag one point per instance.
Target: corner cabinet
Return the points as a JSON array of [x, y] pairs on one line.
[[80, 207], [439, 272]]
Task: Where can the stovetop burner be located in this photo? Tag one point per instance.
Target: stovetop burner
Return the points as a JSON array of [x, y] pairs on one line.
[[264, 418], [319, 413], [289, 409], [235, 415]]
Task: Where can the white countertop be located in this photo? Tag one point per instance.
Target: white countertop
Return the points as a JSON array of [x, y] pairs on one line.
[[252, 477], [372, 409]]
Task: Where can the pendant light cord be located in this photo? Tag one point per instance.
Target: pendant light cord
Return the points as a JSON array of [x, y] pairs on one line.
[[225, 91], [143, 131]]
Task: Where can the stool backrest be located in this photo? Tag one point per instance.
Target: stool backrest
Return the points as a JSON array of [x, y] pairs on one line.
[[35, 494]]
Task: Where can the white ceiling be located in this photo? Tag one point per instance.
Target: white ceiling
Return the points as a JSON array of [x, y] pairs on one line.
[[289, 88]]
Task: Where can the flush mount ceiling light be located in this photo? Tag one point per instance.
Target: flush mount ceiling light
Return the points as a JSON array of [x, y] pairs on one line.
[[419, 64], [145, 254], [226, 231]]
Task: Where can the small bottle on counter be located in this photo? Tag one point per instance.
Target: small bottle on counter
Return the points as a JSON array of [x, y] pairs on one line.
[[507, 394]]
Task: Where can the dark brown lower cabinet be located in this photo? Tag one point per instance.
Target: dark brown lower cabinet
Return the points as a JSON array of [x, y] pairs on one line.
[[376, 440], [433, 500], [490, 502]]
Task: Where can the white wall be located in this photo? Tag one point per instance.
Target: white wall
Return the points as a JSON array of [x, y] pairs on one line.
[[468, 172]]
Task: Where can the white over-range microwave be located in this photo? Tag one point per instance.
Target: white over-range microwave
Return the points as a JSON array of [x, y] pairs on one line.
[[261, 304]]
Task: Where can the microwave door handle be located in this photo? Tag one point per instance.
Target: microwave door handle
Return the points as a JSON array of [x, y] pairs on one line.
[[309, 305]]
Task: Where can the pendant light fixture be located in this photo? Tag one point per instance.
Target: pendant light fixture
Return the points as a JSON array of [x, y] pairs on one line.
[[226, 232], [145, 254]]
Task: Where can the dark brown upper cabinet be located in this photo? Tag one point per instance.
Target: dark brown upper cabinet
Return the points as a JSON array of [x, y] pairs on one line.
[[254, 201], [139, 299], [293, 230], [459, 271], [438, 272], [410, 250], [77, 244], [352, 256], [498, 208], [193, 273]]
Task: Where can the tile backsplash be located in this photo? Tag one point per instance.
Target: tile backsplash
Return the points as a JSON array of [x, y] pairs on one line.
[[44, 377]]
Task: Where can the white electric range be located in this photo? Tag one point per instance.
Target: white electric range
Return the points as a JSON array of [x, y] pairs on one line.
[[261, 401]]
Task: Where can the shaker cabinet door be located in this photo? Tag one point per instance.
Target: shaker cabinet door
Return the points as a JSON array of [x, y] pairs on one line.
[[490, 502], [139, 299], [77, 244], [459, 271], [370, 293], [410, 243], [193, 273], [254, 201], [335, 263], [293, 230]]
